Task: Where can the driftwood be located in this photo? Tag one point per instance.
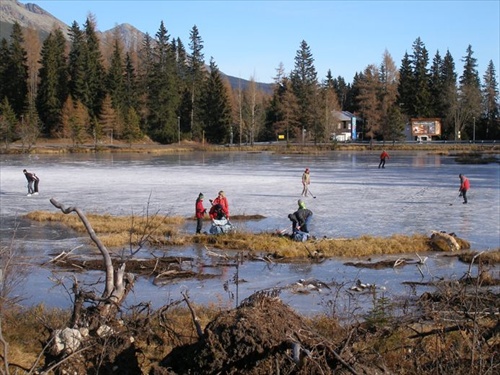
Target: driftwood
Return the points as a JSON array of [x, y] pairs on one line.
[[117, 283]]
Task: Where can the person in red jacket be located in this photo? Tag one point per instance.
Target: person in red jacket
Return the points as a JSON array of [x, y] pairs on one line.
[[384, 155], [200, 212], [220, 201], [464, 187]]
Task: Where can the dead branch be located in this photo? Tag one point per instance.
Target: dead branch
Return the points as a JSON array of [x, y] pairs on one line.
[[196, 320], [104, 251]]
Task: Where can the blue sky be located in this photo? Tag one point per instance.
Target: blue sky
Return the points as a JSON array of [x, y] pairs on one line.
[[251, 38]]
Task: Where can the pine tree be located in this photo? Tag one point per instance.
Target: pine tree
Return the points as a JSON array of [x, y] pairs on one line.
[[406, 92], [94, 71], [15, 72], [163, 98], [4, 63], [76, 63], [196, 76], [216, 110], [116, 79], [436, 86], [131, 126], [448, 95], [469, 98], [8, 122], [491, 110], [305, 86], [29, 128], [421, 99], [53, 83]]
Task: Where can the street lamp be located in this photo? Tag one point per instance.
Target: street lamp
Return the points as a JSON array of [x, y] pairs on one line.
[[474, 129], [179, 129]]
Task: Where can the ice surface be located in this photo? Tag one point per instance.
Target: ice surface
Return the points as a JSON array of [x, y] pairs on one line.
[[413, 194]]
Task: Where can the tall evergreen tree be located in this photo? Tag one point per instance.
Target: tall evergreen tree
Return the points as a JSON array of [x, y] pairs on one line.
[[342, 91], [8, 122], [164, 98], [406, 91], [491, 104], [305, 86], [469, 106], [196, 64], [76, 62], [116, 79], [130, 85], [15, 74], [421, 98], [94, 71], [53, 82], [448, 95], [4, 63], [216, 110], [436, 85]]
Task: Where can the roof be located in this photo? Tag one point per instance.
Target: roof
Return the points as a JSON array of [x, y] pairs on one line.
[[343, 116]]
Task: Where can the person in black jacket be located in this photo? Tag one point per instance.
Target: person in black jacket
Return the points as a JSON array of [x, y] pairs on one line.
[[300, 220], [32, 179]]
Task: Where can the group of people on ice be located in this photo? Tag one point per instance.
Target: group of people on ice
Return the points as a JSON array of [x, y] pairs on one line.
[[218, 213]]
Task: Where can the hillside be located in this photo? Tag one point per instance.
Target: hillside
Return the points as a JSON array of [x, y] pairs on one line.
[[33, 17]]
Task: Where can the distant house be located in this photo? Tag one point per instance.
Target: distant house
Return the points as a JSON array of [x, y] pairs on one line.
[[344, 126]]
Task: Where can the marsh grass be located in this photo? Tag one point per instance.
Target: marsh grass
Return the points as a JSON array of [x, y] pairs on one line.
[[116, 231], [283, 246]]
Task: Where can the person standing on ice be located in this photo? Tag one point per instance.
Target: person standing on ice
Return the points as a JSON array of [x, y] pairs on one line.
[[306, 180], [200, 212], [384, 155], [464, 187], [31, 178]]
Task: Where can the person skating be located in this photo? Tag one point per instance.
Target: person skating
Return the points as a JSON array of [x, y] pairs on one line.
[[200, 212], [384, 155], [464, 187], [31, 178], [306, 181]]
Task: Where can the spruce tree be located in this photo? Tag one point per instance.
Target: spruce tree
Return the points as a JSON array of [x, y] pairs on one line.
[[94, 71], [421, 98], [448, 95], [53, 83], [491, 112], [215, 107], [469, 96], [8, 122], [15, 75], [195, 79], [406, 92], [163, 97], [305, 86], [116, 79], [76, 63]]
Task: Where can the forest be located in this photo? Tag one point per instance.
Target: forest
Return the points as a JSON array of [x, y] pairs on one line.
[[83, 91]]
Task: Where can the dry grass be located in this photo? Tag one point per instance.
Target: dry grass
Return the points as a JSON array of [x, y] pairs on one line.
[[116, 231], [283, 246]]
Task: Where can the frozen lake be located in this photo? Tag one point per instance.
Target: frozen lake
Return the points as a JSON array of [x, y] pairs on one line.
[[353, 197]]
